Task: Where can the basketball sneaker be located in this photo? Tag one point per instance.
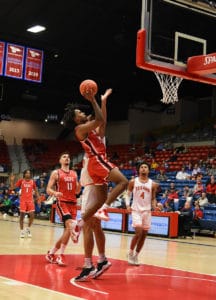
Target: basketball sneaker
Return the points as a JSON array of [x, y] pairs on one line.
[[22, 234], [28, 233], [60, 260], [136, 262], [101, 268], [85, 274], [51, 258], [102, 214], [131, 259], [50, 200]]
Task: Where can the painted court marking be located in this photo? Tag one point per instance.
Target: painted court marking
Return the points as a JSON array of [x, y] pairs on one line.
[[72, 281]]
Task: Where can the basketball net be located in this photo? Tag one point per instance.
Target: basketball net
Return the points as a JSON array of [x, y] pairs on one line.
[[169, 87]]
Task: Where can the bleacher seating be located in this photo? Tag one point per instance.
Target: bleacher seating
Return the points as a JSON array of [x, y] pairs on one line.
[[46, 152], [4, 156]]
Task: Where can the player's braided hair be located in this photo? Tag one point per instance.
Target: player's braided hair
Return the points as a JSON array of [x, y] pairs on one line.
[[68, 117]]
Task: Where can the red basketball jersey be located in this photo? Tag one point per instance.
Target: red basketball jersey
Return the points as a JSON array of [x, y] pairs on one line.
[[27, 187], [94, 145], [66, 184]]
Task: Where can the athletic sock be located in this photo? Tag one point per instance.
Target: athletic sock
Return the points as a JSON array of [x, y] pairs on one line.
[[53, 250], [101, 257], [88, 262], [62, 248], [105, 206]]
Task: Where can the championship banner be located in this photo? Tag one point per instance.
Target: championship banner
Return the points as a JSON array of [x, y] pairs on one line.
[[14, 61], [2, 50], [33, 65]]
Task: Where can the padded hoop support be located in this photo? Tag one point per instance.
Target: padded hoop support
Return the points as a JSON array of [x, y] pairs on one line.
[[202, 64]]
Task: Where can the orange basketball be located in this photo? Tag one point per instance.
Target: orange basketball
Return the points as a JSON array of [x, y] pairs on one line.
[[88, 87]]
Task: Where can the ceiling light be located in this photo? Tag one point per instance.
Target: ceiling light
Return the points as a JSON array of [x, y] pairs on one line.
[[36, 28]]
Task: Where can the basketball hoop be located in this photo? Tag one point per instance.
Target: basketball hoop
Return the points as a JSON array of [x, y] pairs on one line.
[[169, 87]]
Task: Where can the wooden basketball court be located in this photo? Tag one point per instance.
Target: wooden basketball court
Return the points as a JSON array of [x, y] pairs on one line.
[[170, 268]]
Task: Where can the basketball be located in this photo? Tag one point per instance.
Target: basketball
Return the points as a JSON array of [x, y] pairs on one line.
[[88, 87]]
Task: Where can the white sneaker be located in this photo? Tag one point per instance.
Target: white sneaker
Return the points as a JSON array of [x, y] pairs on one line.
[[136, 262], [28, 233], [102, 214], [22, 234], [50, 200], [60, 260], [131, 259]]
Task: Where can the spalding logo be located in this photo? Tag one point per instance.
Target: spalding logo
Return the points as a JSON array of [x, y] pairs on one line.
[[209, 60]]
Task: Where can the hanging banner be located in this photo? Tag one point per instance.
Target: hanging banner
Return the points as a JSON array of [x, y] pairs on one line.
[[33, 65], [14, 61], [2, 51]]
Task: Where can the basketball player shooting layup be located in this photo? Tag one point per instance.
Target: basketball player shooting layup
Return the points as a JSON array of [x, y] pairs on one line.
[[100, 169]]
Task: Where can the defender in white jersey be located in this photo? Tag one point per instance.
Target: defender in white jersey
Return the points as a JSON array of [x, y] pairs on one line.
[[142, 191]]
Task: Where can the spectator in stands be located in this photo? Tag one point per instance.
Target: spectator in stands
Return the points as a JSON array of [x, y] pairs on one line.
[[168, 146], [164, 165], [5, 204], [173, 157], [212, 170], [1, 194], [167, 207], [180, 149], [196, 171], [211, 190], [161, 176], [185, 220], [187, 193], [3, 186], [160, 147], [44, 176], [172, 196], [197, 215], [41, 185], [189, 168], [198, 189], [159, 207], [182, 175], [115, 156], [202, 200], [154, 164]]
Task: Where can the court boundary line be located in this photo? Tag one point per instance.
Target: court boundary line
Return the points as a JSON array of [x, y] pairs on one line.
[[43, 288]]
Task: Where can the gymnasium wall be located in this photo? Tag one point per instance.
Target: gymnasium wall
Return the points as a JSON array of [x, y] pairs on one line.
[[132, 130]]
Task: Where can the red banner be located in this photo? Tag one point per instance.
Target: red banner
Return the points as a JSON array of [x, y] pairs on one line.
[[14, 61], [2, 50], [33, 65]]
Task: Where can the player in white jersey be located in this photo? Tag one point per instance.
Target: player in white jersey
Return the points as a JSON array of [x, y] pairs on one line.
[[142, 191]]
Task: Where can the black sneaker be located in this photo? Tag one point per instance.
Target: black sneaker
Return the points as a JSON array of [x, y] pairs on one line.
[[85, 274], [101, 268]]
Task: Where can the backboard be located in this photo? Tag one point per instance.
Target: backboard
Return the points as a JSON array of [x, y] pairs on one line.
[[178, 37]]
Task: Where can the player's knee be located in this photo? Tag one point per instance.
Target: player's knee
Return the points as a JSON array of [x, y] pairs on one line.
[[124, 183]]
